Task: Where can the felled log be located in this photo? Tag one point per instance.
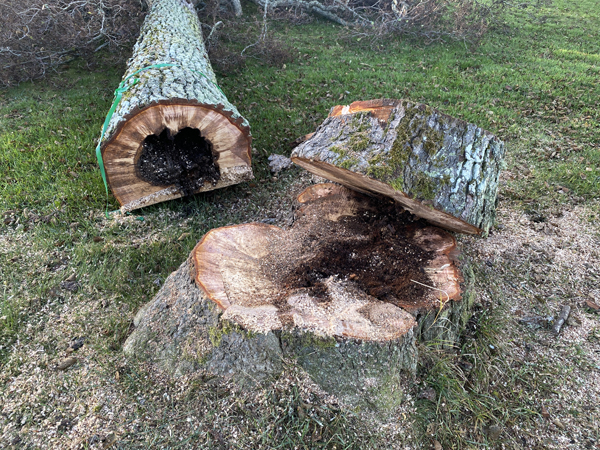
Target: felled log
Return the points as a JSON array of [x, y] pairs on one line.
[[438, 167], [346, 292], [173, 132]]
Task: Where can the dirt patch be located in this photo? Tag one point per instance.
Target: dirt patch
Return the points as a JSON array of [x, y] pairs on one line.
[[185, 160]]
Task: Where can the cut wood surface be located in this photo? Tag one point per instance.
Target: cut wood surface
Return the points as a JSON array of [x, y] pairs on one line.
[[336, 272], [345, 292], [438, 167], [173, 132]]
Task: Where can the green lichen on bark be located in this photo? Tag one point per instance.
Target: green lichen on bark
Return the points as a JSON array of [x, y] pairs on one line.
[[452, 165], [223, 328], [365, 374], [308, 340], [359, 141], [171, 34]]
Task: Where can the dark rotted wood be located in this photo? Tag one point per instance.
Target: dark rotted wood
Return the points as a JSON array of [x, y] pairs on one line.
[[438, 167], [169, 101]]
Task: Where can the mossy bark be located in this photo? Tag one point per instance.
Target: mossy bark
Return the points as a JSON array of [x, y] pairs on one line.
[[181, 331], [171, 85], [440, 168]]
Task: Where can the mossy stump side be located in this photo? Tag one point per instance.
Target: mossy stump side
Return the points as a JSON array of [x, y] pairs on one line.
[[438, 167]]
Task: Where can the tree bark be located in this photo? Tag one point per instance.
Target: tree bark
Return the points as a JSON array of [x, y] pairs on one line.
[[173, 132], [439, 168], [241, 303]]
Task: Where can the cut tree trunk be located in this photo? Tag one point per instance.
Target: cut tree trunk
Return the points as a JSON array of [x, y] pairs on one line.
[[346, 292], [439, 168], [173, 132]]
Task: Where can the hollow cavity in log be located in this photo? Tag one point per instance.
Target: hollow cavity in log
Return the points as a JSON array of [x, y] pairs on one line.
[[184, 159]]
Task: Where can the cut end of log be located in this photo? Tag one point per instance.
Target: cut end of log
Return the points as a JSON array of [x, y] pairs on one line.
[[351, 267], [440, 168], [171, 149]]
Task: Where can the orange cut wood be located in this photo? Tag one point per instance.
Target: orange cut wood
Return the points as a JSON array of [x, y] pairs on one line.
[[252, 271]]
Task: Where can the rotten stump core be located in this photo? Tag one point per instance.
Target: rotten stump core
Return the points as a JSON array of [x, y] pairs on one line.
[[351, 267], [185, 160], [173, 132], [440, 168]]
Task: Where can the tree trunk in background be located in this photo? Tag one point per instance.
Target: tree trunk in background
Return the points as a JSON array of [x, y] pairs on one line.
[[173, 132], [438, 167]]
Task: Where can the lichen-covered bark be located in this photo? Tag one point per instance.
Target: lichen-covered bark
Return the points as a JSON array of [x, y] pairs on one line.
[[171, 34], [366, 374], [434, 164], [181, 332], [170, 85]]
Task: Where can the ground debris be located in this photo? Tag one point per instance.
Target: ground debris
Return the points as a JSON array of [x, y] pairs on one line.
[[536, 322], [562, 318], [277, 163], [66, 363]]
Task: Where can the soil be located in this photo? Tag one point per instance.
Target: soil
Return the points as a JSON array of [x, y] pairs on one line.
[[185, 160], [369, 247]]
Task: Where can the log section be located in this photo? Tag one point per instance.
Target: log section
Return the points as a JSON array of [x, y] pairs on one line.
[[438, 167], [346, 292], [173, 132]]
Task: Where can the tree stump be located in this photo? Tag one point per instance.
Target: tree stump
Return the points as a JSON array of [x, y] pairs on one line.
[[345, 292], [173, 132], [438, 167]]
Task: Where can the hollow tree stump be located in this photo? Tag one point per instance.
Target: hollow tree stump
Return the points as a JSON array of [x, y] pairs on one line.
[[438, 167], [173, 132], [346, 292]]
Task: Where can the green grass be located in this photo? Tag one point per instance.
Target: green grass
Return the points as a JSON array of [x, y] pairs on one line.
[[533, 82]]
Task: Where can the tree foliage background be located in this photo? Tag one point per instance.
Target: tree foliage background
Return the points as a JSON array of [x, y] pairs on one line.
[[39, 35]]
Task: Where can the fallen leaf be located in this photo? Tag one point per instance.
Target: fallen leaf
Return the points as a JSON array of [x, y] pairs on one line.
[[97, 239], [592, 305], [437, 445], [72, 277], [545, 413], [66, 363], [183, 236]]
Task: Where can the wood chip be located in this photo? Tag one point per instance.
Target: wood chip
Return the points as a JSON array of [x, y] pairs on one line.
[[183, 236], [66, 363], [561, 319], [592, 305], [545, 413]]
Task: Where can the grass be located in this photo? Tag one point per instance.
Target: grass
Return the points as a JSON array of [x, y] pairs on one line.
[[533, 82]]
